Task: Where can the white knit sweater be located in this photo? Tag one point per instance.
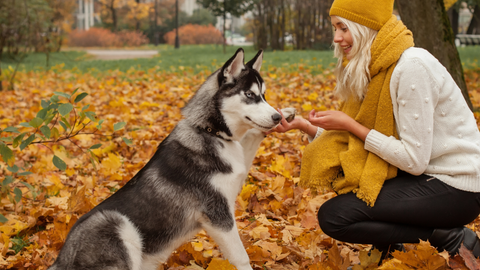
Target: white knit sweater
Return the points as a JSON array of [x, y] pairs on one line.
[[438, 132]]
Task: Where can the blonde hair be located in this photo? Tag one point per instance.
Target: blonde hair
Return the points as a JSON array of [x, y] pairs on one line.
[[353, 79]]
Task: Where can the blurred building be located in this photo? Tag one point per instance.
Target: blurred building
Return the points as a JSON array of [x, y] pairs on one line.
[[85, 14], [188, 6]]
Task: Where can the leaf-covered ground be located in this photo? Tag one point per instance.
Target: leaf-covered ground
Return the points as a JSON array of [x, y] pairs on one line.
[[276, 218]]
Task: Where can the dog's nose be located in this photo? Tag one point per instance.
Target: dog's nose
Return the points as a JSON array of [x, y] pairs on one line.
[[276, 118]]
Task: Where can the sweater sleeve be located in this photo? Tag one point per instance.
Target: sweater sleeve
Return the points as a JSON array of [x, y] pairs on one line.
[[319, 131], [415, 100]]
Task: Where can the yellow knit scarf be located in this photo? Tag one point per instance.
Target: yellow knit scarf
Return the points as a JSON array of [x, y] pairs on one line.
[[337, 159]]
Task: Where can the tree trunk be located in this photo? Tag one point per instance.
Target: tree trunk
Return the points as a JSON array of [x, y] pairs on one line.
[[273, 24], [281, 21], [453, 16], [137, 23], [474, 26], [2, 44], [1, 81], [155, 24], [114, 16], [224, 29], [431, 28], [260, 38], [298, 25]]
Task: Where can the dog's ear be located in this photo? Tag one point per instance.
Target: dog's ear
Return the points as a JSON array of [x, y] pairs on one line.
[[234, 66], [256, 62]]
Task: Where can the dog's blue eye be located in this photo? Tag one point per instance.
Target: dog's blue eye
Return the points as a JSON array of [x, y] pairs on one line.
[[249, 94]]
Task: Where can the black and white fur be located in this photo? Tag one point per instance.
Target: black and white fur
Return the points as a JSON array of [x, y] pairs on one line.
[[191, 182]]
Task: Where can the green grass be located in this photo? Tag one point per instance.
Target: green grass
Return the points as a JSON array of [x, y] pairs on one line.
[[197, 57], [469, 55]]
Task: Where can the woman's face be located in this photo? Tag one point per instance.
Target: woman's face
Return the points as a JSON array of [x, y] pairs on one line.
[[342, 36]]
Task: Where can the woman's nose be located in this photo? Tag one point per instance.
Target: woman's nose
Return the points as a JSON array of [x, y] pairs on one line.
[[337, 38]]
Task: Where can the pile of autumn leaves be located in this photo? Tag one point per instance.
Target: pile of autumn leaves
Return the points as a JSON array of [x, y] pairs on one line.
[[276, 218]]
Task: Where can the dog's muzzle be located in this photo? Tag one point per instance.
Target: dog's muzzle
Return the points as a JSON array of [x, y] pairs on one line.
[[276, 118]]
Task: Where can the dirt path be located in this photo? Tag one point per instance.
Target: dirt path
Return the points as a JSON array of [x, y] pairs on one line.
[[121, 54]]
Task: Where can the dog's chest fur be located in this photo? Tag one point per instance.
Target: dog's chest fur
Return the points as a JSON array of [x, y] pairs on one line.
[[230, 184]]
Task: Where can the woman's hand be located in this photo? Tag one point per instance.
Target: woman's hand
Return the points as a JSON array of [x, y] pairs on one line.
[[337, 120], [330, 120], [297, 123]]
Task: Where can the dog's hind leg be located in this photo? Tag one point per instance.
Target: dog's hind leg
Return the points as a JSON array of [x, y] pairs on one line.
[[230, 245], [101, 241]]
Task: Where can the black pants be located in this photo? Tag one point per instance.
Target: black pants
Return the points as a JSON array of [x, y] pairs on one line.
[[407, 209]]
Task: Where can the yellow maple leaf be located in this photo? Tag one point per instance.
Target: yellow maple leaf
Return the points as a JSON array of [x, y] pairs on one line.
[[219, 264], [116, 176], [369, 258], [13, 226], [273, 250], [281, 165], [307, 106], [111, 164], [260, 232], [394, 264], [197, 246], [53, 184], [248, 191], [99, 152], [70, 172], [5, 240], [60, 202], [313, 96]]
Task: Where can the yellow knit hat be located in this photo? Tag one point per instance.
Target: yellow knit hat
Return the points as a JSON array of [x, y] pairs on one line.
[[370, 13]]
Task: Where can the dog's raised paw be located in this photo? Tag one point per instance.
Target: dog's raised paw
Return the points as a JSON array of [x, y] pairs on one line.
[[289, 114]]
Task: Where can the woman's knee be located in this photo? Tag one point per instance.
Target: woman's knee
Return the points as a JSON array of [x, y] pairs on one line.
[[332, 216], [337, 214], [325, 215]]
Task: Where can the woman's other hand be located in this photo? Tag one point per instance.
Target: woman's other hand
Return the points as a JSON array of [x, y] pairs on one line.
[[337, 120]]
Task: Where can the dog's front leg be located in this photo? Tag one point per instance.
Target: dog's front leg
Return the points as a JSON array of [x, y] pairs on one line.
[[230, 245], [250, 143], [252, 139]]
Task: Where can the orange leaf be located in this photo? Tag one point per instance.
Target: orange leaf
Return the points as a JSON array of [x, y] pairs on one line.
[[470, 261]]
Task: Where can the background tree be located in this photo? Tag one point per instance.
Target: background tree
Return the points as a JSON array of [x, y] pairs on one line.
[[271, 23], [432, 31], [221, 7], [201, 16], [137, 13], [61, 18], [27, 25], [165, 19], [454, 15], [302, 23], [109, 13], [474, 26]]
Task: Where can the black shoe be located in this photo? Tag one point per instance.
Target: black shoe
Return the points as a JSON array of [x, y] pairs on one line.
[[451, 240]]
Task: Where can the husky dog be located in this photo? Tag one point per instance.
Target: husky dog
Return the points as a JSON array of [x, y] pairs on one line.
[[191, 182]]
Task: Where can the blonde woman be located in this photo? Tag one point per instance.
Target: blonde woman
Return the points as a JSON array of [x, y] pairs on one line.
[[403, 151]]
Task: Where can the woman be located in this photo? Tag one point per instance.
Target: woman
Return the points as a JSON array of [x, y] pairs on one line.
[[403, 152]]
